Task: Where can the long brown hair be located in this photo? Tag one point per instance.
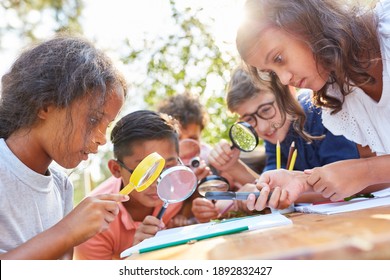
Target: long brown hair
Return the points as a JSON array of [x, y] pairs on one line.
[[341, 34]]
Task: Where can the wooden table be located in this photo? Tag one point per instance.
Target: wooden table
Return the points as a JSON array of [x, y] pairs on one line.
[[363, 234]]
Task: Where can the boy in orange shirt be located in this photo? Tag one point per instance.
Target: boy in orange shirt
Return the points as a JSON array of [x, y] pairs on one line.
[[135, 136]]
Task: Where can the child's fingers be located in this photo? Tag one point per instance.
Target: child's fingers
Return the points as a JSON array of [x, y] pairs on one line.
[[203, 202], [284, 201], [113, 196], [313, 180], [250, 202], [275, 198], [153, 221], [261, 202]]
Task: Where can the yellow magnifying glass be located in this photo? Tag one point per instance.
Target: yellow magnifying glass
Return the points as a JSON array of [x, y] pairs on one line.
[[146, 172]]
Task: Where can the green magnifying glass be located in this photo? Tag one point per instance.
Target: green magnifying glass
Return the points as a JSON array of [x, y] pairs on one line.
[[146, 172], [243, 136]]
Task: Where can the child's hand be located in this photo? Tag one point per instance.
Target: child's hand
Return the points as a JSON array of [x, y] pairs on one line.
[[149, 227], [241, 205], [339, 179], [202, 170], [92, 215], [179, 221], [222, 157], [204, 210], [286, 187]]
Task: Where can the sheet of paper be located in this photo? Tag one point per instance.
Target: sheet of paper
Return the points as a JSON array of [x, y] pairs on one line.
[[381, 198], [181, 235]]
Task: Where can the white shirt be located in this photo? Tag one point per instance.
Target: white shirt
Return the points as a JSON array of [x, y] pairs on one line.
[[363, 120], [29, 202]]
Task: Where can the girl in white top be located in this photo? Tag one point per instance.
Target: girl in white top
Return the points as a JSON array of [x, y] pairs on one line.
[[340, 50], [56, 103]]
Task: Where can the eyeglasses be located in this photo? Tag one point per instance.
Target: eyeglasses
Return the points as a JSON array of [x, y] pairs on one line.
[[124, 166], [265, 111]]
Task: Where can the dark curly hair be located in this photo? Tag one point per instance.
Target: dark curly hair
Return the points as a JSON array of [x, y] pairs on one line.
[[56, 72], [186, 108]]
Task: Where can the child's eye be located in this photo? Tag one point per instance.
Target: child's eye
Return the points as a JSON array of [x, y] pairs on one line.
[[93, 121], [278, 59]]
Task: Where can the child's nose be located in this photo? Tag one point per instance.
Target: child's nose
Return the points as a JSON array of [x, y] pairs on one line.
[[284, 77], [100, 138], [262, 127]]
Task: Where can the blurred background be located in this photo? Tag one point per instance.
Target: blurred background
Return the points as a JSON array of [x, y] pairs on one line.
[[164, 47]]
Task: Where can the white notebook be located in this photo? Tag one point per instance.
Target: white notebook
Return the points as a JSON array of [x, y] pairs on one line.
[[380, 198], [182, 235]]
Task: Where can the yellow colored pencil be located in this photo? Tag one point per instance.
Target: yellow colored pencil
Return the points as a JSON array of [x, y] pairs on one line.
[[278, 159], [293, 159]]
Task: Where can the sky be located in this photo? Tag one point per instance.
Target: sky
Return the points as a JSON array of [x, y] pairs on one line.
[[109, 22], [135, 20]]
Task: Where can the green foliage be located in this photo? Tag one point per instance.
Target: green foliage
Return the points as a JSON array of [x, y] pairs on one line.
[[187, 58], [26, 18]]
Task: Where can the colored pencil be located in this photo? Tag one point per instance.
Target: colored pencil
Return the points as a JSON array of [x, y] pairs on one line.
[[290, 153], [293, 159], [278, 159]]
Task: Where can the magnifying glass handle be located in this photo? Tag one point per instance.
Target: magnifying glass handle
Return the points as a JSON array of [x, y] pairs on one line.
[[127, 189], [244, 195], [162, 211], [230, 195]]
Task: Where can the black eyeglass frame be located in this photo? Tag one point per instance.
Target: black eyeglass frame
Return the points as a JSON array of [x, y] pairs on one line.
[[124, 166], [256, 113]]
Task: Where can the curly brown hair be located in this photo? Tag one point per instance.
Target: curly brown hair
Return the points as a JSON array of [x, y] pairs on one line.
[[186, 108], [55, 72]]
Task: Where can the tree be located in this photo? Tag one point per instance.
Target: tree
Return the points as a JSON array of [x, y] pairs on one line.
[[186, 58], [27, 19]]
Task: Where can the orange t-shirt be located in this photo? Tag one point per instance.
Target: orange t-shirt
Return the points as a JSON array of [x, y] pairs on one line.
[[120, 234]]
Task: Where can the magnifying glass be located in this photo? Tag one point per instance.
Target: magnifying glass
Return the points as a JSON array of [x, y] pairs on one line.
[[243, 136], [213, 183], [146, 172], [189, 152], [175, 185]]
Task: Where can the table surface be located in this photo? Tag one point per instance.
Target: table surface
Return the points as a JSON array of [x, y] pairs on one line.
[[363, 234]]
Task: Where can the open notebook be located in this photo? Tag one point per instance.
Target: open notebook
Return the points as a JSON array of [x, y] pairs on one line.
[[182, 235], [380, 198]]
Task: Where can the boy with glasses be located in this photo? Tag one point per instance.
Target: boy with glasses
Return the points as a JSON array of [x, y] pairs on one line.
[[135, 136]]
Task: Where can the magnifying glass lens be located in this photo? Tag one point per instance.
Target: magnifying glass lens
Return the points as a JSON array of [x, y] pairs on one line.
[[153, 169], [146, 172], [189, 152], [243, 136], [212, 183], [175, 185]]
